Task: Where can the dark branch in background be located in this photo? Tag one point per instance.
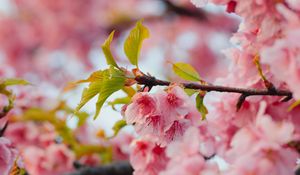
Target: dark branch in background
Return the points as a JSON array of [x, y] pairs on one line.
[[171, 9], [197, 14], [297, 172], [152, 81], [118, 168], [2, 130]]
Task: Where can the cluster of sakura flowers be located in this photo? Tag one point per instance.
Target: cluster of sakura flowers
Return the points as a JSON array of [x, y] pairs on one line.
[[164, 114], [255, 140], [172, 136], [37, 146]]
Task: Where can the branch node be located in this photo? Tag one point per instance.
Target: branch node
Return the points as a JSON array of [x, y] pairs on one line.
[[286, 99], [240, 102]]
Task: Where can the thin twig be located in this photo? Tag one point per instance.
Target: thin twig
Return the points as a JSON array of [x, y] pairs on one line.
[[152, 81]]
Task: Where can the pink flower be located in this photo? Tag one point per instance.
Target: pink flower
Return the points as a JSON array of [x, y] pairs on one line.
[[147, 158], [284, 60], [279, 162], [143, 105], [189, 144], [8, 155], [191, 165], [164, 115], [55, 159], [90, 160], [121, 145], [153, 124], [174, 103], [24, 134], [186, 156], [174, 131], [294, 4], [262, 147]]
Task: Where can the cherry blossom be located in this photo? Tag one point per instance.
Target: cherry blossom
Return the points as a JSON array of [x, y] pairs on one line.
[[147, 157], [8, 155], [56, 159], [165, 115], [234, 113]]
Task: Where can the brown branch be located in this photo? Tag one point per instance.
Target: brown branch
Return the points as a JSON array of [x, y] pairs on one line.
[[117, 168], [152, 81], [197, 14]]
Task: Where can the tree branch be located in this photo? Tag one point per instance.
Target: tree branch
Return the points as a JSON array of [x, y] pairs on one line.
[[182, 11], [117, 168], [152, 81]]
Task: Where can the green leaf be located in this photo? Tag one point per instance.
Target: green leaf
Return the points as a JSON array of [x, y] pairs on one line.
[[10, 96], [133, 43], [118, 126], [129, 91], [105, 84], [118, 101], [82, 117], [186, 71], [190, 92], [15, 81], [111, 84], [95, 76], [200, 105], [106, 50], [88, 93], [295, 104]]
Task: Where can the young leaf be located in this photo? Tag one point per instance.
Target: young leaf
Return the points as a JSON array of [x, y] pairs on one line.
[[82, 117], [95, 76], [119, 101], [106, 50], [118, 126], [186, 71], [200, 105], [190, 92], [109, 85], [15, 81], [129, 91], [133, 43], [88, 93], [8, 93]]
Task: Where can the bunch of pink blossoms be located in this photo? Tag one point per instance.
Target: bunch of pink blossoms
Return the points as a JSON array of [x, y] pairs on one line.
[[254, 140], [165, 115]]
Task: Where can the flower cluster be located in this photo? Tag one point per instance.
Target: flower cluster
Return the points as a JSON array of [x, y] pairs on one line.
[[165, 115], [253, 140], [219, 133]]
